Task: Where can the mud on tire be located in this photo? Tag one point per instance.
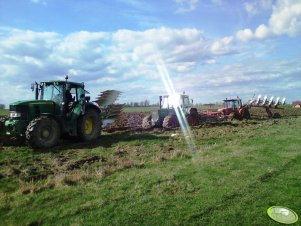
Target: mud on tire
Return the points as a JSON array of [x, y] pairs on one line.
[[43, 132], [89, 125], [170, 122]]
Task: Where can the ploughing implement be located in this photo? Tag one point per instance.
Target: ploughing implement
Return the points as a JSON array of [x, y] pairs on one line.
[[267, 104], [105, 101], [234, 109]]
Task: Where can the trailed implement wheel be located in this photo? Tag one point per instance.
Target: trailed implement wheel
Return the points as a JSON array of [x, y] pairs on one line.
[[246, 113], [147, 122], [276, 115], [89, 125], [193, 117], [43, 132], [170, 122]]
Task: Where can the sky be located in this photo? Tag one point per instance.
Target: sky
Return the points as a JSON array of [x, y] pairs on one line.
[[212, 49]]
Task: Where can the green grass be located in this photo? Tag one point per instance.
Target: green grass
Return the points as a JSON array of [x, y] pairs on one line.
[[4, 112], [231, 178]]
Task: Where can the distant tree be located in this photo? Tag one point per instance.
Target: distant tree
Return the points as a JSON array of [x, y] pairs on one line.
[[146, 103]]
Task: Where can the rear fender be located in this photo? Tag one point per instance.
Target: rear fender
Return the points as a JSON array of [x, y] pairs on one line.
[[92, 106]]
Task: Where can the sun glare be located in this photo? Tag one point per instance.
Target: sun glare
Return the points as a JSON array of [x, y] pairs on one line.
[[174, 100]]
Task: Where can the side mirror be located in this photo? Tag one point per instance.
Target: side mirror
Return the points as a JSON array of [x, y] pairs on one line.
[[32, 87], [87, 98]]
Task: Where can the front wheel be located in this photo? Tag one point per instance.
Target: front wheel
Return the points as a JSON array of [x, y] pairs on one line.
[[147, 122], [89, 125], [43, 132]]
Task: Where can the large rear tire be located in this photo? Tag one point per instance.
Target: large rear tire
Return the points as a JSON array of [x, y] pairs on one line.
[[43, 132], [89, 125], [170, 122]]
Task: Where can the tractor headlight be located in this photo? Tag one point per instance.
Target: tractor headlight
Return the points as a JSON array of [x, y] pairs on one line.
[[14, 114]]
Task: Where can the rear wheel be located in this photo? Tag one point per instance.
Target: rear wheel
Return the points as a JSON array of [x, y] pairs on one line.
[[170, 122], [43, 132], [246, 113], [89, 125]]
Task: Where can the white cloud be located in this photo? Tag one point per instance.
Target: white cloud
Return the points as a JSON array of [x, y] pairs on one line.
[[222, 46], [255, 7], [186, 6], [266, 4], [241, 79], [210, 61], [124, 60], [250, 8], [245, 35], [284, 20], [262, 32], [115, 59]]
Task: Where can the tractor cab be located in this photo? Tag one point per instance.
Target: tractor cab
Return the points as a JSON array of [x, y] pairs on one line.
[[166, 117], [230, 105], [66, 95], [169, 102]]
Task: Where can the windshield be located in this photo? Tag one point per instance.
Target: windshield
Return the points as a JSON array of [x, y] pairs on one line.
[[232, 104], [186, 102], [52, 92]]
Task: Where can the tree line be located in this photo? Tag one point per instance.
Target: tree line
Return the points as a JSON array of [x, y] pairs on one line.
[[145, 103]]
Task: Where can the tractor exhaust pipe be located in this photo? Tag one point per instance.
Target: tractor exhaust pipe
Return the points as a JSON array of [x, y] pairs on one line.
[[37, 91], [160, 102]]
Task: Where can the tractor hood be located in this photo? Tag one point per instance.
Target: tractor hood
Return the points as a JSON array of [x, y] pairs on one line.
[[31, 102], [29, 109]]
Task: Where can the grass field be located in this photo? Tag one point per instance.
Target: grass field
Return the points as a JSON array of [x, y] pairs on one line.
[[4, 112], [231, 178]]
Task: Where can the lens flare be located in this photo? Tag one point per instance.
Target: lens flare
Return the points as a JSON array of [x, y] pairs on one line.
[[169, 87]]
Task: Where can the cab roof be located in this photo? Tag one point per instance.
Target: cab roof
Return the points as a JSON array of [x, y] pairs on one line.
[[77, 84]]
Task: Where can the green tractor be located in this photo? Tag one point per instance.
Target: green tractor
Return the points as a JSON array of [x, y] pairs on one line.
[[60, 108], [166, 115]]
